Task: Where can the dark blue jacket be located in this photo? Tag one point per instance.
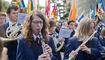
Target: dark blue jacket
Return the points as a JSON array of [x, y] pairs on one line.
[[102, 41], [25, 52], [93, 44], [11, 46]]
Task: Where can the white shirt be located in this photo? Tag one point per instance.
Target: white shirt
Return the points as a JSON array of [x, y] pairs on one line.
[[7, 19], [10, 23], [36, 37]]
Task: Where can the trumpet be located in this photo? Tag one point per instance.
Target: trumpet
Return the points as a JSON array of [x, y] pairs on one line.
[[43, 44], [77, 50]]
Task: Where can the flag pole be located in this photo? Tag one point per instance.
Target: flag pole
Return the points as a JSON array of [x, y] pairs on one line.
[[34, 3], [70, 10]]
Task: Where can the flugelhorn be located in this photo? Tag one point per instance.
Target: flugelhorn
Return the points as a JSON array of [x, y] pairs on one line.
[[13, 32], [43, 44], [77, 50]]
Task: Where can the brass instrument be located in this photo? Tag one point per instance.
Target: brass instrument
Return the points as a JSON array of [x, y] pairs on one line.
[[43, 44], [56, 42], [77, 50], [13, 32], [60, 47]]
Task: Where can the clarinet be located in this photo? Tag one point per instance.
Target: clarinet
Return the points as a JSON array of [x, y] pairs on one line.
[[43, 44]]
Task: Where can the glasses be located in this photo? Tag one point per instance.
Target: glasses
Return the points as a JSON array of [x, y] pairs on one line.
[[71, 24], [38, 22]]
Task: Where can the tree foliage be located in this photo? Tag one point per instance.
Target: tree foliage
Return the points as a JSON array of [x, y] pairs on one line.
[[5, 5]]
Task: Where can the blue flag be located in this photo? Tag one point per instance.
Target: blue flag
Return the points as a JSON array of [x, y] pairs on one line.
[[22, 1], [92, 13], [80, 18]]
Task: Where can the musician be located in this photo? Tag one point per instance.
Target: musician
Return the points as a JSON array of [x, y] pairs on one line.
[[30, 46], [102, 37], [58, 23], [1, 28], [90, 50], [1, 48], [52, 33], [71, 27], [11, 46], [2, 18]]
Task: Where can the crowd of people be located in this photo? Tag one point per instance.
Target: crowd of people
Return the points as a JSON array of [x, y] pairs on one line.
[[46, 39]]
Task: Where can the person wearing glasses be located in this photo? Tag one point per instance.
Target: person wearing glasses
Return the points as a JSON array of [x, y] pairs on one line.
[[30, 46]]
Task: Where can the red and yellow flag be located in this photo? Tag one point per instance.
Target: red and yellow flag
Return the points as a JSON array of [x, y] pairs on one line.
[[47, 8], [54, 12]]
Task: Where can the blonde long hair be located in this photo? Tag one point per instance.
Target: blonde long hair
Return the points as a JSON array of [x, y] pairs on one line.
[[82, 31]]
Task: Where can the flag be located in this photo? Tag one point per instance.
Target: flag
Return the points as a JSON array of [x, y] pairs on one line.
[[101, 6], [36, 4], [30, 6], [72, 15], [54, 12], [22, 1], [92, 14], [98, 19], [98, 11], [21, 10], [96, 8], [80, 18], [47, 8], [19, 3]]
